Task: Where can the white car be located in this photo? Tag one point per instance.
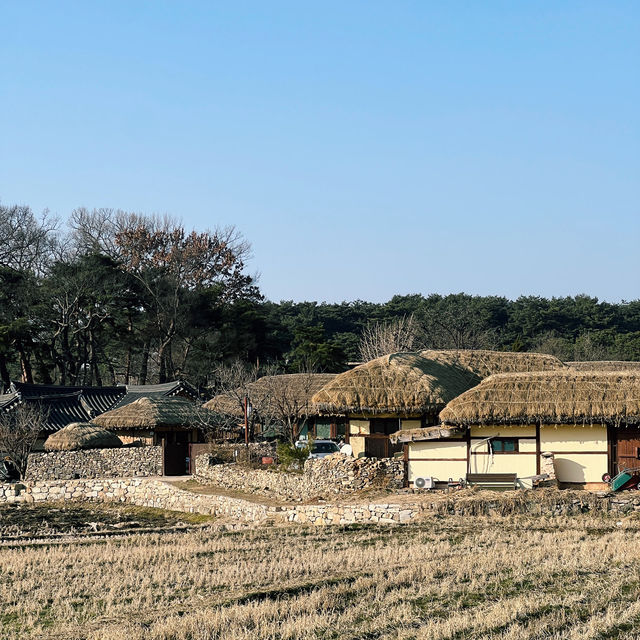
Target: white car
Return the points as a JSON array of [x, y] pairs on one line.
[[323, 448]]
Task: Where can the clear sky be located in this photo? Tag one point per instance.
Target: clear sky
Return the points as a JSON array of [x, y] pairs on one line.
[[364, 148]]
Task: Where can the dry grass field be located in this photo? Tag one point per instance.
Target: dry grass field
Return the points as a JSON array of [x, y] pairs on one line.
[[446, 577]]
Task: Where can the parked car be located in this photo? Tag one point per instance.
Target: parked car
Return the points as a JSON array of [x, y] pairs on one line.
[[323, 448]]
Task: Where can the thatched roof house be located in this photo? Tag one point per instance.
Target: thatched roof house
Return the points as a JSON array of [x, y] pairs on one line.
[[81, 435], [423, 382], [605, 365], [150, 413], [551, 397], [273, 394], [403, 383]]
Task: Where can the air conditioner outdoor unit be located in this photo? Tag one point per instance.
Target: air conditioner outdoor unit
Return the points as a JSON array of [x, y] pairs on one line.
[[424, 483]]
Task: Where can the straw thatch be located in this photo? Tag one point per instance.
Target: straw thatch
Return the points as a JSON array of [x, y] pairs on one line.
[[81, 435], [417, 383], [605, 365], [150, 413], [550, 397], [273, 394], [487, 363], [400, 383]]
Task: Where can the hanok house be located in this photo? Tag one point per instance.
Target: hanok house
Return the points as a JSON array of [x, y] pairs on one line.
[[277, 404], [173, 423], [588, 420], [406, 391], [61, 405]]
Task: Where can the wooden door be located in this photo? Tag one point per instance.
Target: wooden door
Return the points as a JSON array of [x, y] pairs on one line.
[[628, 448], [379, 446]]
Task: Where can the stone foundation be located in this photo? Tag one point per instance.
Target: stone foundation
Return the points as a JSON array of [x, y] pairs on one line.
[[323, 477], [95, 463]]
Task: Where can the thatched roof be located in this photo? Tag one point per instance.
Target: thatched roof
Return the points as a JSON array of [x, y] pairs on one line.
[[415, 383], [605, 365], [81, 435], [404, 383], [487, 363], [551, 397], [150, 413], [273, 394]]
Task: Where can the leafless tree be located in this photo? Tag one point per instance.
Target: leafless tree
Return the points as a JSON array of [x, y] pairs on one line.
[[233, 380], [96, 230], [381, 338], [287, 403], [26, 243], [457, 326], [19, 430]]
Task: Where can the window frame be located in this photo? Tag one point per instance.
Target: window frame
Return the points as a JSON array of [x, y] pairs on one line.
[[515, 441]]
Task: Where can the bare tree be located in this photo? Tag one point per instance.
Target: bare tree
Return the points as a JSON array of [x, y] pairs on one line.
[[287, 402], [19, 430], [26, 243], [394, 336], [233, 380]]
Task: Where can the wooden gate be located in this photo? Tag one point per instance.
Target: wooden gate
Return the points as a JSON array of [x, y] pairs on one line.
[[175, 458], [379, 446], [627, 454]]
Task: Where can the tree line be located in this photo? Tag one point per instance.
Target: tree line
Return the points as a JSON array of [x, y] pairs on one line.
[[112, 297]]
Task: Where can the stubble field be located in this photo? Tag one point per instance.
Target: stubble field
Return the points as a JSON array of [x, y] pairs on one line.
[[450, 577]]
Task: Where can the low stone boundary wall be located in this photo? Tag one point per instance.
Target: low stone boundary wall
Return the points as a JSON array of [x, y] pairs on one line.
[[323, 477], [156, 493], [95, 463], [148, 492]]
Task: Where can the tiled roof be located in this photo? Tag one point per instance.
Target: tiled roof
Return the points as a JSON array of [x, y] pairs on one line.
[[80, 404], [165, 390], [95, 400]]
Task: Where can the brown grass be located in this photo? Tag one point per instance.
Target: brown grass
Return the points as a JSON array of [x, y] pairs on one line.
[[446, 578]]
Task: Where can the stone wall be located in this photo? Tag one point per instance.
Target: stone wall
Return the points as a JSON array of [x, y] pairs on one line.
[[151, 492], [323, 477], [95, 463], [240, 452]]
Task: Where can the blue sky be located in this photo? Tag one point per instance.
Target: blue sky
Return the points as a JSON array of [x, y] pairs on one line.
[[365, 149]]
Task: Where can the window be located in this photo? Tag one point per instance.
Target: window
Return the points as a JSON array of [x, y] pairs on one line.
[[503, 445], [384, 426]]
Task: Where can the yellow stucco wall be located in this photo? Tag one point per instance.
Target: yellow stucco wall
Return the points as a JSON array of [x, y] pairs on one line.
[[358, 426], [576, 467], [357, 445], [569, 437], [438, 449], [440, 468], [441, 471], [522, 463], [580, 468], [508, 431]]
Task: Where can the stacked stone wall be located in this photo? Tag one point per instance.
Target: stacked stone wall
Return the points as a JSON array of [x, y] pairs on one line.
[[95, 463], [156, 493], [149, 492], [323, 477]]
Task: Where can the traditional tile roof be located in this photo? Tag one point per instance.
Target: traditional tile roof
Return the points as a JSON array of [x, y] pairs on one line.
[[165, 390], [64, 405], [95, 400]]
